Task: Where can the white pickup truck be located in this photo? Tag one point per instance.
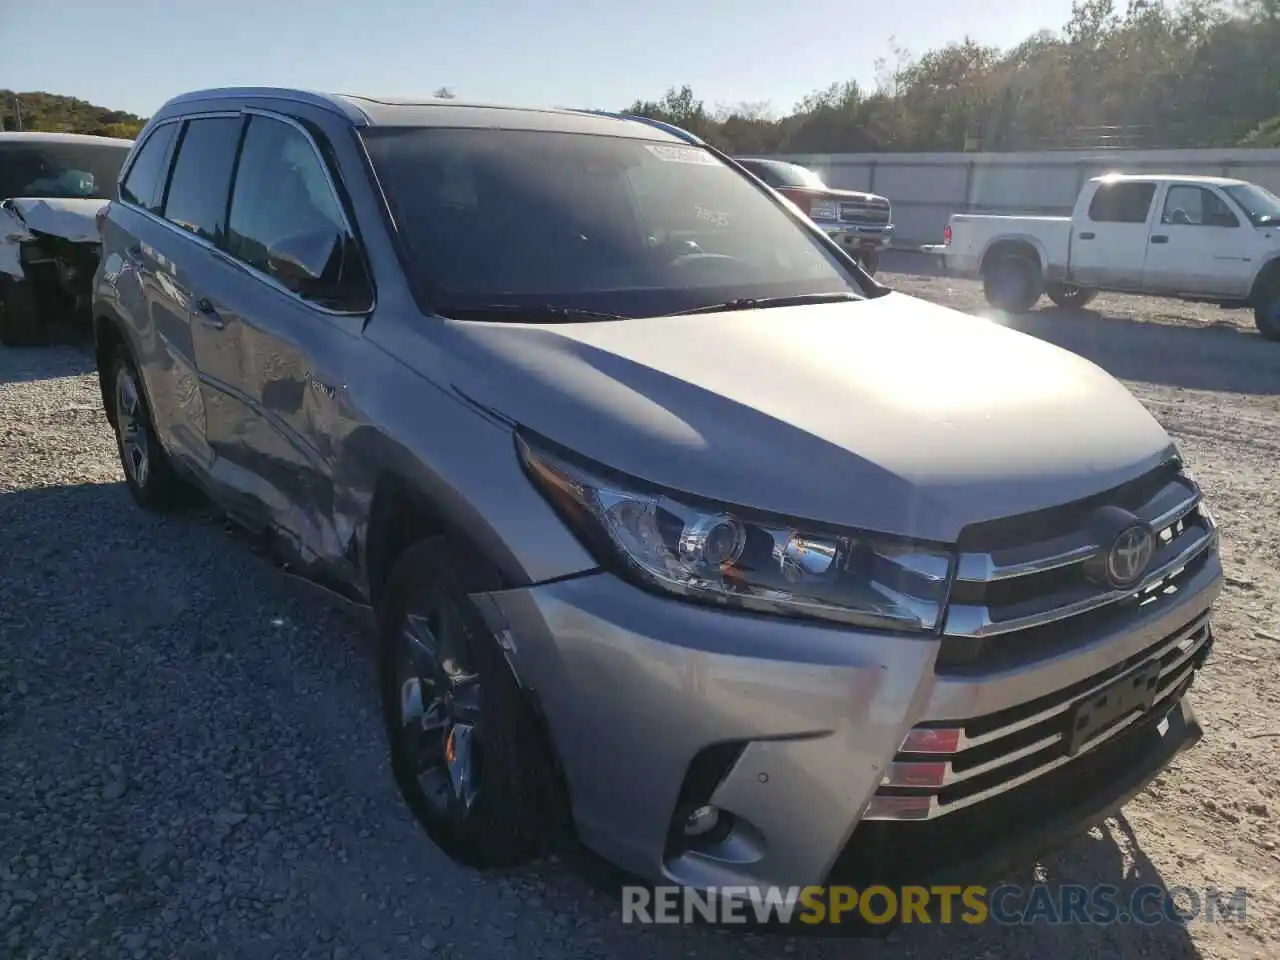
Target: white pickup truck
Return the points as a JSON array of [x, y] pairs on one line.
[[1201, 239]]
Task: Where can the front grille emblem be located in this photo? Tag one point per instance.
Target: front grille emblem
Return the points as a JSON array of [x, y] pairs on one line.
[[1126, 546], [1129, 554]]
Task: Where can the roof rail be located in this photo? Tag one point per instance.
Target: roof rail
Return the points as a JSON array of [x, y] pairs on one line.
[[670, 128]]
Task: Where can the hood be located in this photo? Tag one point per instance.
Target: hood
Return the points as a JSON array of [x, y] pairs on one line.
[[891, 414], [71, 219]]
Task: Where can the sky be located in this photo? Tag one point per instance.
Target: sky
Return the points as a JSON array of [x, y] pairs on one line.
[[600, 54]]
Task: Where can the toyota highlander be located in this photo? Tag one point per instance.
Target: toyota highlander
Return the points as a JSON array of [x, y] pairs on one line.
[[680, 531]]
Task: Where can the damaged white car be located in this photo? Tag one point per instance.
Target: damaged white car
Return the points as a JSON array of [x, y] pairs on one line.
[[52, 187]]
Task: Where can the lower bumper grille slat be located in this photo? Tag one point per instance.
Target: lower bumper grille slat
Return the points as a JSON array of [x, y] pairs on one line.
[[1005, 755]]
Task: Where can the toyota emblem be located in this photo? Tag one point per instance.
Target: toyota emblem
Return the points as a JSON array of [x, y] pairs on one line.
[[1129, 554]]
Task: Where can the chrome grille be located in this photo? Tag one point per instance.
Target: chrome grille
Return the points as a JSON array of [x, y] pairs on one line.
[[870, 212], [1030, 588], [990, 755]]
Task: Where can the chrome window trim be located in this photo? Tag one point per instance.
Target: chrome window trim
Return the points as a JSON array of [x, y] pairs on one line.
[[249, 270]]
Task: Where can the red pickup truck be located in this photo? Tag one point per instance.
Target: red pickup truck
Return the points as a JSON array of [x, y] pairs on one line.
[[860, 222]]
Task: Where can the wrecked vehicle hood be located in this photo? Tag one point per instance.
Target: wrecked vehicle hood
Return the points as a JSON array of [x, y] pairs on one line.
[[22, 219], [892, 414]]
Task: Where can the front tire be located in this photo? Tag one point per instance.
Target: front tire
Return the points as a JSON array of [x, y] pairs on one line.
[[147, 471], [1070, 297], [1266, 313], [466, 752], [1012, 282], [870, 261]]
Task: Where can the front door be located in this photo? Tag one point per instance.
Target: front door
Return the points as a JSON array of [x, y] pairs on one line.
[[1199, 246], [272, 352]]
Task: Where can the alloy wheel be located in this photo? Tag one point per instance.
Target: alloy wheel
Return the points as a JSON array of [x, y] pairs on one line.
[[440, 701], [131, 423]]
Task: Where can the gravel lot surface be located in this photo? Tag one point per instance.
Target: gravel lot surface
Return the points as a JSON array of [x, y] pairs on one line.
[[191, 763]]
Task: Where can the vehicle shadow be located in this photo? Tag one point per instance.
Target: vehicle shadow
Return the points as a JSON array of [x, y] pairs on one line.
[[1221, 359], [69, 358]]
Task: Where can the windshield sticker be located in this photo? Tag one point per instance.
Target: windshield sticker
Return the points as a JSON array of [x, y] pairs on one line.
[[671, 154]]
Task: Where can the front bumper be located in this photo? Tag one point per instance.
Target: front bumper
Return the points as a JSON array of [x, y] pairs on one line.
[[857, 238], [794, 729]]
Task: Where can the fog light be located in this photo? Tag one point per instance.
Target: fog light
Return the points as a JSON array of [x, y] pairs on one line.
[[701, 820]]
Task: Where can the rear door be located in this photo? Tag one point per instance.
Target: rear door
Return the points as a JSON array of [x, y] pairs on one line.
[[1109, 242], [193, 209], [273, 349], [1199, 245]]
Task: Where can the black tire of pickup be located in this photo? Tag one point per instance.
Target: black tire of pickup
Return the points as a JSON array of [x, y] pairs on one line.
[[1070, 297], [1012, 282], [19, 317], [515, 810], [870, 261], [1266, 313]]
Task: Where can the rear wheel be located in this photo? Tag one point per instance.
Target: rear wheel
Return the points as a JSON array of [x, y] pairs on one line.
[[19, 316], [1069, 296], [147, 471], [1012, 282], [465, 749]]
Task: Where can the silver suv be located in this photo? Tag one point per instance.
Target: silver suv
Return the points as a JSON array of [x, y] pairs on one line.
[[681, 532]]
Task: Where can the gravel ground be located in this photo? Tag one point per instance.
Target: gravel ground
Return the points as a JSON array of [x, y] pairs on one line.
[[191, 764]]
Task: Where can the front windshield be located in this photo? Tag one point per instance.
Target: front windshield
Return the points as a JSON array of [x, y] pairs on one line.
[[624, 226], [73, 170], [1260, 205], [790, 175]]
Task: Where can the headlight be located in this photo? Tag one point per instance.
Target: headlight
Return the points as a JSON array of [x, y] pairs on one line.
[[726, 555], [824, 210]]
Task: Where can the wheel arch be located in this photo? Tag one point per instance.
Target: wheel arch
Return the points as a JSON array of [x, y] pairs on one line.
[[1013, 243], [1267, 277]]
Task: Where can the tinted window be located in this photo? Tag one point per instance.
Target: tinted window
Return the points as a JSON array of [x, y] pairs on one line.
[[1190, 206], [1261, 206], [197, 195], [634, 227], [283, 199], [145, 179], [67, 169], [1122, 202], [763, 172]]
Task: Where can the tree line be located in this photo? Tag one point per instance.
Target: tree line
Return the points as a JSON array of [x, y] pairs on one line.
[[54, 113], [1145, 74], [1199, 73]]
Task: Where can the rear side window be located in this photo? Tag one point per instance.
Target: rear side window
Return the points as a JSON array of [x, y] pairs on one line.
[[145, 180], [1122, 202], [197, 196]]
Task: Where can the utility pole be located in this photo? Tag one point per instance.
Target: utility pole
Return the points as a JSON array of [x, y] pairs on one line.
[[17, 110]]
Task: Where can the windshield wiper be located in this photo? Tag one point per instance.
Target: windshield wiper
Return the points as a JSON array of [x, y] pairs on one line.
[[763, 303], [544, 312]]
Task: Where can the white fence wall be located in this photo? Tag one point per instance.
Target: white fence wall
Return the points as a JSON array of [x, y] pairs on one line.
[[927, 188]]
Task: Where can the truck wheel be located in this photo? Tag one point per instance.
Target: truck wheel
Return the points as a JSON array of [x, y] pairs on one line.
[[147, 472], [1266, 313], [870, 261], [19, 317], [465, 751], [1012, 282], [1069, 296]]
